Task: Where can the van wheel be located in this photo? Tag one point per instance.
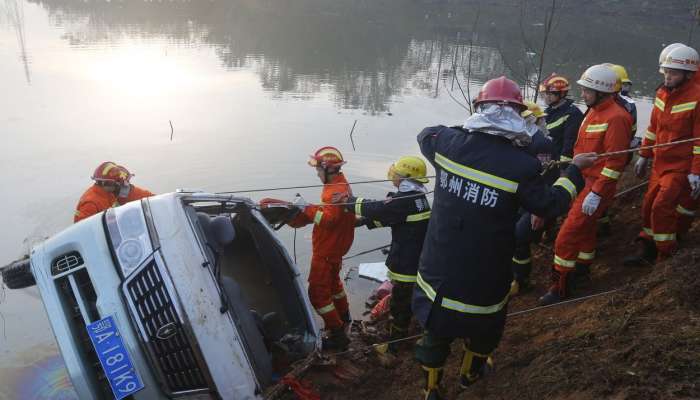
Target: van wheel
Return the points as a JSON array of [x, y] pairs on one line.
[[18, 275]]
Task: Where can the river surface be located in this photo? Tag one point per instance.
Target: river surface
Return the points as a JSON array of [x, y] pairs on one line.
[[252, 87]]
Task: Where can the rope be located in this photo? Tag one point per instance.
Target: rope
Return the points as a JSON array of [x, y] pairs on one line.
[[310, 186], [366, 252], [656, 146], [609, 154], [632, 189], [513, 314], [636, 149], [410, 196]]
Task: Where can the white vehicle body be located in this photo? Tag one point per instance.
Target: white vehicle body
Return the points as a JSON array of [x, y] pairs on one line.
[[151, 266]]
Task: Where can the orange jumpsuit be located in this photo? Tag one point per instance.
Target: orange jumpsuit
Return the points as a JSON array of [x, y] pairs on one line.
[[606, 127], [674, 117], [96, 200], [334, 231]]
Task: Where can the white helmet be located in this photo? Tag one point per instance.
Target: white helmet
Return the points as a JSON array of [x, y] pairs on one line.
[[664, 53], [682, 57], [600, 78]]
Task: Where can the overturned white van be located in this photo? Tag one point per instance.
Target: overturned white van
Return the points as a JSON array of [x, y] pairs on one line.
[[179, 295]]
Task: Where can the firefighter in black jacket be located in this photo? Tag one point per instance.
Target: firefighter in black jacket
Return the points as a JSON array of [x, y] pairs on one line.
[[529, 228], [563, 117], [464, 275], [406, 212]]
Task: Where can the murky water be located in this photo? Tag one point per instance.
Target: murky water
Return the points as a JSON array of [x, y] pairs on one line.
[[251, 88]]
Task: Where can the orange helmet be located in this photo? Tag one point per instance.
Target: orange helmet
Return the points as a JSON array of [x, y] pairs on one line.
[[326, 157], [111, 172], [555, 83]]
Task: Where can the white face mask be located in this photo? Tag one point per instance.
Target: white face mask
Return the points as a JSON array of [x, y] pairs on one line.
[[124, 190], [501, 120]]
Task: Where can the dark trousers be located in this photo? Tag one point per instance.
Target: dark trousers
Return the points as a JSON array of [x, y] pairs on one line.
[[482, 337], [400, 307]]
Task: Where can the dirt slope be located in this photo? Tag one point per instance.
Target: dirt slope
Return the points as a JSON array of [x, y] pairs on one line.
[[642, 342]]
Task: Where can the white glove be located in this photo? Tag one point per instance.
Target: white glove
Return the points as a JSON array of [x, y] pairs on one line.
[[299, 202], [590, 203], [694, 181], [640, 167]]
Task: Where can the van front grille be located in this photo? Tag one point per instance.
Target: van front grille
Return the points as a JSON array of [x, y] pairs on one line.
[[78, 298], [66, 262], [163, 333]]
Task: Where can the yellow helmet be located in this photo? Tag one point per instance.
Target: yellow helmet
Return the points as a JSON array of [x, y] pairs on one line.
[[533, 109], [409, 167], [621, 73]]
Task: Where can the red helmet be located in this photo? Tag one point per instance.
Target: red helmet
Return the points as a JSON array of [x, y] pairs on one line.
[[501, 90], [326, 157], [555, 83], [111, 172]]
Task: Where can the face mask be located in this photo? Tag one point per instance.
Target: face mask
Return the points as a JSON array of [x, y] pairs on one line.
[[501, 120], [124, 190]]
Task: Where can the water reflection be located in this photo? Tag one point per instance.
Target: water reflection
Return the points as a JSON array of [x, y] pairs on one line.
[[366, 54], [13, 12]]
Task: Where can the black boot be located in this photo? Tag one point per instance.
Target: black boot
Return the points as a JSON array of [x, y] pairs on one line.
[[474, 367], [582, 275], [562, 287], [604, 226], [433, 376], [644, 254], [336, 340], [396, 332], [521, 278]]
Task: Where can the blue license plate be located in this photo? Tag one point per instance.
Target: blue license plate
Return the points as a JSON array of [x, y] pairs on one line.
[[114, 358]]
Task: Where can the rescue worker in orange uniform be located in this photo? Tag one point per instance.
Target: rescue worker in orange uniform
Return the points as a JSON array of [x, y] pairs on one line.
[[687, 207], [624, 84], [606, 127], [112, 188], [675, 175], [333, 233]]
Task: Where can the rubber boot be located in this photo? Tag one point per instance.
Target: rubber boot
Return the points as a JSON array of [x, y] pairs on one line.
[[604, 226], [474, 367], [562, 287], [644, 254], [396, 332], [347, 322], [337, 340], [521, 276], [433, 376], [582, 275]]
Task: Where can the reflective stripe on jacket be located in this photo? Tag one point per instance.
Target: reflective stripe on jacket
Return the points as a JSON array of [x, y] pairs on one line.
[[482, 180], [675, 117], [407, 214], [334, 226], [563, 123], [607, 127]]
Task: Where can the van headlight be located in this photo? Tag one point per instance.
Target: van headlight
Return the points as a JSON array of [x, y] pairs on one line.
[[129, 236]]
